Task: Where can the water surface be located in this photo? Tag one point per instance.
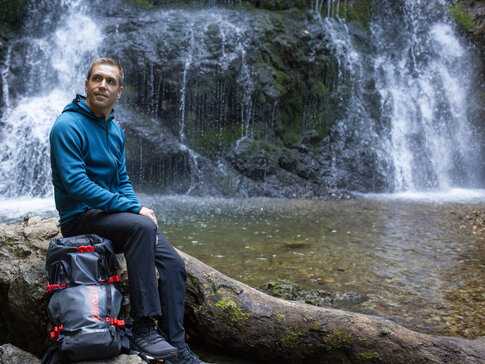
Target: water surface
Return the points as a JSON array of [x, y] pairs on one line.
[[415, 262]]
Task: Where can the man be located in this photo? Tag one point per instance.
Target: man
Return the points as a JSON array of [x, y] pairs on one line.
[[93, 195]]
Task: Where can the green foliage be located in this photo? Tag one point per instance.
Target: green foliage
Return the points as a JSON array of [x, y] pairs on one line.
[[336, 340], [462, 17]]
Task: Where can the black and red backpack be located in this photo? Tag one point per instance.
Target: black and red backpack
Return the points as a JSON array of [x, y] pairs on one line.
[[85, 302]]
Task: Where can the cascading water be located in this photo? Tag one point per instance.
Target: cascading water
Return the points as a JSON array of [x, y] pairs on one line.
[[49, 70], [424, 79], [358, 152], [418, 133]]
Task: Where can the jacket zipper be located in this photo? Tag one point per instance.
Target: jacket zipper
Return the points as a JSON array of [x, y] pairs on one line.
[[111, 155]]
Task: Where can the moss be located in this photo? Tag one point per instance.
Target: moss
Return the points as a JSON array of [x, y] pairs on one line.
[[279, 316], [360, 11], [291, 337], [316, 325], [231, 311], [12, 13], [278, 4], [336, 340], [462, 17], [217, 140], [368, 356], [143, 3]]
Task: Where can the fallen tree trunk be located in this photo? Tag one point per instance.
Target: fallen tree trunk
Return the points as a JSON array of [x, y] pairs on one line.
[[225, 313], [229, 314]]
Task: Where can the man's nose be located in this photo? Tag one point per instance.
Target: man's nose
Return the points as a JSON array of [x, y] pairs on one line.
[[102, 84]]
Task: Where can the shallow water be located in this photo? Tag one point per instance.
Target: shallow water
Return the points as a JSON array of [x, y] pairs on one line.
[[407, 258], [416, 263]]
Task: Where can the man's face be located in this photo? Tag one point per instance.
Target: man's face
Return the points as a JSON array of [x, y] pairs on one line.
[[102, 89]]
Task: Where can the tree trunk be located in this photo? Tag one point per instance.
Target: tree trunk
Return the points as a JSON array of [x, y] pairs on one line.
[[226, 313]]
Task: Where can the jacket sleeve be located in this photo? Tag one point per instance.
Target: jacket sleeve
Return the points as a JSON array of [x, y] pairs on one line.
[[125, 187], [66, 145]]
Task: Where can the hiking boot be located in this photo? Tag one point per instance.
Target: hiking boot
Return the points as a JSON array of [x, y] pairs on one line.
[[185, 356], [147, 340]]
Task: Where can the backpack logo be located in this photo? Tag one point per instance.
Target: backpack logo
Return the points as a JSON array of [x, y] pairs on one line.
[[94, 300]]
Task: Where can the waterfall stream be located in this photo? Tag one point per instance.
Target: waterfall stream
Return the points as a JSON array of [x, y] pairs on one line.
[[425, 82], [51, 72]]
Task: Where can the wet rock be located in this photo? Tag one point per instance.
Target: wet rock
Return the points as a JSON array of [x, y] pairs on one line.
[[10, 354], [255, 158], [290, 291]]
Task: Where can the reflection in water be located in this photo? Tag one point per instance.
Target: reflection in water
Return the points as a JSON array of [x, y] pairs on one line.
[[415, 263]]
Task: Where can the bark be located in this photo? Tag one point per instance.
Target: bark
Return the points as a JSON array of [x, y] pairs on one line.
[[229, 314]]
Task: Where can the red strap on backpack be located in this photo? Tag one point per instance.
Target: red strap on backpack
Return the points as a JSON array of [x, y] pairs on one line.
[[115, 322], [51, 287], [55, 333], [113, 279], [85, 248]]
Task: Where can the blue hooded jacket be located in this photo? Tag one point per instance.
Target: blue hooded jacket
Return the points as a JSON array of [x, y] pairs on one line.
[[88, 163]]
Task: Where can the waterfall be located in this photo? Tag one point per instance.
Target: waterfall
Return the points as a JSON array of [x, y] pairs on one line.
[[421, 135], [425, 82], [387, 108], [47, 70]]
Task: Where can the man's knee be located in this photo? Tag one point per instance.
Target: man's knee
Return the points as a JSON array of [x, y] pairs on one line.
[[139, 231]]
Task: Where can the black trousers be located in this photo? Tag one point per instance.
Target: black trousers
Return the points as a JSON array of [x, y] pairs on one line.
[[136, 236]]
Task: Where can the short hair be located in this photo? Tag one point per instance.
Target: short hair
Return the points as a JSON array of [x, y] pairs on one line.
[[111, 62]]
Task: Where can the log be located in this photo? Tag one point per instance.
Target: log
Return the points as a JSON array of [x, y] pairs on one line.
[[225, 313]]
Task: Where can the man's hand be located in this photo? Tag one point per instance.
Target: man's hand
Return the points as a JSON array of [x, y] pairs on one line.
[[148, 213]]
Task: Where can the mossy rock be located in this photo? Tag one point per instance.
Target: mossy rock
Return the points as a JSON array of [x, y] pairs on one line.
[[255, 158]]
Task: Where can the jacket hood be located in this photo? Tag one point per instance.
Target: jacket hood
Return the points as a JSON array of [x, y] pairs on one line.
[[79, 105]]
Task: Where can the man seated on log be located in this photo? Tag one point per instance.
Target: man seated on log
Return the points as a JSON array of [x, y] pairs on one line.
[[94, 195]]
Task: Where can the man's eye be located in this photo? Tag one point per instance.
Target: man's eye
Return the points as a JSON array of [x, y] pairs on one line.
[[111, 82]]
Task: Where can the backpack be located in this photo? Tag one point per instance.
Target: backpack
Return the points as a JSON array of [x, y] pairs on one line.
[[85, 304]]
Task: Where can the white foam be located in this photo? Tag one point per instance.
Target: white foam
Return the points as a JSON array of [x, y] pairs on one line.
[[452, 195], [15, 209]]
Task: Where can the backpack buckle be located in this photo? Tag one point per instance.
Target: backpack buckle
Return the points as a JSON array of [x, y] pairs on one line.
[[115, 322], [55, 333], [112, 279]]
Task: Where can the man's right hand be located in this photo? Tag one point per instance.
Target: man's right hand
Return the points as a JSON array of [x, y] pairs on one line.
[[148, 213]]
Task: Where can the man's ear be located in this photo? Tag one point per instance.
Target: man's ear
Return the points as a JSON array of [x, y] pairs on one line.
[[86, 87], [120, 90]]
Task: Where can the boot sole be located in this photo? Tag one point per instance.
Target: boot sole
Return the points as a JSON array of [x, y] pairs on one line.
[[169, 355]]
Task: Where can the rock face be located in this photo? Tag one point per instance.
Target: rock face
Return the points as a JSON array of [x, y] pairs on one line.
[[12, 354], [22, 282], [297, 78], [476, 9]]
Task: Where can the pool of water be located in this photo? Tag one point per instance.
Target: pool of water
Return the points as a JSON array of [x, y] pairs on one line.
[[412, 258], [415, 262]]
